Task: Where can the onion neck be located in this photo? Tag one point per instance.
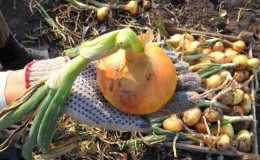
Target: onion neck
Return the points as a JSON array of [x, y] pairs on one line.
[[128, 40], [109, 43]]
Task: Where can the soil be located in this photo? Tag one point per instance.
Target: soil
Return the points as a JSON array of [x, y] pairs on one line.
[[31, 29]]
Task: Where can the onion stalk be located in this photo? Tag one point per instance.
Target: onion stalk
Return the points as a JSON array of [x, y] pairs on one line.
[[230, 119], [206, 69], [188, 58], [205, 103]]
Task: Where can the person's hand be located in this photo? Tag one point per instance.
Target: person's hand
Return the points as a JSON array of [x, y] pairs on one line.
[[87, 105]]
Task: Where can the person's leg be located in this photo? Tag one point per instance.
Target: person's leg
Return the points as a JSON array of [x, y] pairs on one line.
[[13, 55]]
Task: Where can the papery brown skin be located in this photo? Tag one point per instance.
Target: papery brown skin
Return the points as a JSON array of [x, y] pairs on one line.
[[137, 83]]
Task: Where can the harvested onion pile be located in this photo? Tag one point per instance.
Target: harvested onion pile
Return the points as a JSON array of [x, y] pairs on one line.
[[224, 118]]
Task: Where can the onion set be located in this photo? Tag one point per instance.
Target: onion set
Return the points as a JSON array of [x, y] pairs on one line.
[[223, 142], [224, 109], [191, 116], [173, 123], [243, 141]]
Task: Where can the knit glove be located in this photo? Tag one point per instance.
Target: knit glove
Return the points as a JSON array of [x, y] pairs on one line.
[[87, 105]]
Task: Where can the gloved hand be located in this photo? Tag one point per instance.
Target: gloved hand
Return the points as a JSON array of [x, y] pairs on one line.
[[87, 105]]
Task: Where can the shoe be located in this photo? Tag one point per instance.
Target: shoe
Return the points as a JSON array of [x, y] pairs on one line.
[[38, 54], [24, 58]]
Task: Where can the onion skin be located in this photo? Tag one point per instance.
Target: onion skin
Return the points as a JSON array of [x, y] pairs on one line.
[[173, 123], [223, 142], [137, 83], [243, 141], [191, 116]]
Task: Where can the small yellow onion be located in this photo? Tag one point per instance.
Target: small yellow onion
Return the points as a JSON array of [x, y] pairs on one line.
[[102, 13], [212, 114], [224, 74], [175, 40], [206, 51], [253, 63], [243, 141], [189, 37], [225, 129], [246, 103], [226, 98], [173, 123], [238, 95], [239, 46], [240, 61], [200, 126], [146, 4], [192, 47], [214, 81], [131, 7], [223, 142], [218, 46], [241, 76], [218, 57], [191, 116], [231, 54]]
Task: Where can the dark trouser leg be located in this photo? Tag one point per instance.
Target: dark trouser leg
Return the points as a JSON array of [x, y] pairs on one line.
[[12, 54]]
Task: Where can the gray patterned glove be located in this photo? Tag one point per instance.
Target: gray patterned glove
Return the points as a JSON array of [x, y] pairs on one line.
[[87, 105]]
